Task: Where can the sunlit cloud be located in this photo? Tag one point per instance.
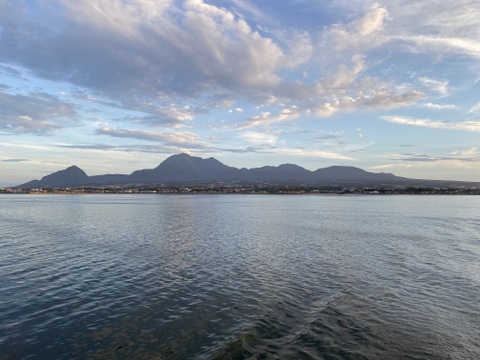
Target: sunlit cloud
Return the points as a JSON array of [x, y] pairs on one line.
[[315, 154], [440, 107], [374, 101], [267, 118], [259, 138], [466, 125], [360, 34]]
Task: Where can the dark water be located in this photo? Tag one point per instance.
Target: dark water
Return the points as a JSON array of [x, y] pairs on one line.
[[239, 277]]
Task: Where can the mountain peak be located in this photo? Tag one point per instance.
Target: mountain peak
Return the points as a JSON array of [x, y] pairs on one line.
[[75, 167], [183, 168], [181, 156], [70, 176]]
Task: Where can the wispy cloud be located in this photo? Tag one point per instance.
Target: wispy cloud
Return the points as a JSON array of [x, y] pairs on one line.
[[470, 155], [266, 117], [359, 35], [447, 45], [175, 139], [439, 107], [37, 113], [475, 108], [438, 86], [14, 160], [470, 152], [429, 158], [335, 139], [163, 149], [249, 7], [466, 125], [315, 154], [449, 29], [375, 100]]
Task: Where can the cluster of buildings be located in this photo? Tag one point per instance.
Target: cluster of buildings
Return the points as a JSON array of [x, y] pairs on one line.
[[256, 188]]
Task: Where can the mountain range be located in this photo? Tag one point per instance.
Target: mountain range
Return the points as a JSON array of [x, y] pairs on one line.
[[186, 169]]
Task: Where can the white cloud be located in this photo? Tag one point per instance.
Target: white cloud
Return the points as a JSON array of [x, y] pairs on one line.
[[359, 35], [469, 152], [252, 9], [260, 138], [375, 100], [226, 49], [266, 118], [371, 22], [344, 75], [437, 27], [432, 106], [314, 153], [427, 43], [169, 59], [148, 53], [300, 49], [466, 125], [438, 86], [148, 47], [169, 115], [458, 157], [475, 108]]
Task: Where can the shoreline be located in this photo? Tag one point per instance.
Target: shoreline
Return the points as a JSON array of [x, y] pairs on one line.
[[248, 190]]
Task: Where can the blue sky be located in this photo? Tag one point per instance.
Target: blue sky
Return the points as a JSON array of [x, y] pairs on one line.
[[113, 86]]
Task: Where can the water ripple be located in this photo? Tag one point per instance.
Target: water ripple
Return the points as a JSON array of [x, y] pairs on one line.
[[238, 277]]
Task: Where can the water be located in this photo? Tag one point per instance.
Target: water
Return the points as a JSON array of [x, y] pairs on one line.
[[239, 277]]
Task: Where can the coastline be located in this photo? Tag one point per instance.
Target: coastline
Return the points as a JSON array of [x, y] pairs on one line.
[[256, 189]]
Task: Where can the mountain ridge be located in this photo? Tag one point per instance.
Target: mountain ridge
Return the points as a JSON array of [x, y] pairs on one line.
[[186, 169]]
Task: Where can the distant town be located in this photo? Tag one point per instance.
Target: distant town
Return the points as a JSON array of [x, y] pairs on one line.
[[258, 188]]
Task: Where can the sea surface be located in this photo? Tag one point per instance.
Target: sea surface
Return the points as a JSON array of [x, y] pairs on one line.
[[239, 277]]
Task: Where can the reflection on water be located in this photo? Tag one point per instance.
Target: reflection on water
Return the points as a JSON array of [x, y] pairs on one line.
[[236, 277]]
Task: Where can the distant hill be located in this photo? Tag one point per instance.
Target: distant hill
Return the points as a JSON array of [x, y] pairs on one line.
[[186, 169], [72, 176]]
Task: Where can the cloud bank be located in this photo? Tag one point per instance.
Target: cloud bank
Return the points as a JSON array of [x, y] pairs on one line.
[[175, 59]]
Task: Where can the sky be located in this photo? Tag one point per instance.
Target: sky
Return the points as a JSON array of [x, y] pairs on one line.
[[114, 86]]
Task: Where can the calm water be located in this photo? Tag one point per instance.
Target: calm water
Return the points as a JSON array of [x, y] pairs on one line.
[[239, 277]]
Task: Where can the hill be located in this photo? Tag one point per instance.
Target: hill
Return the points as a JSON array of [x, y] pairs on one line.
[[186, 169]]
